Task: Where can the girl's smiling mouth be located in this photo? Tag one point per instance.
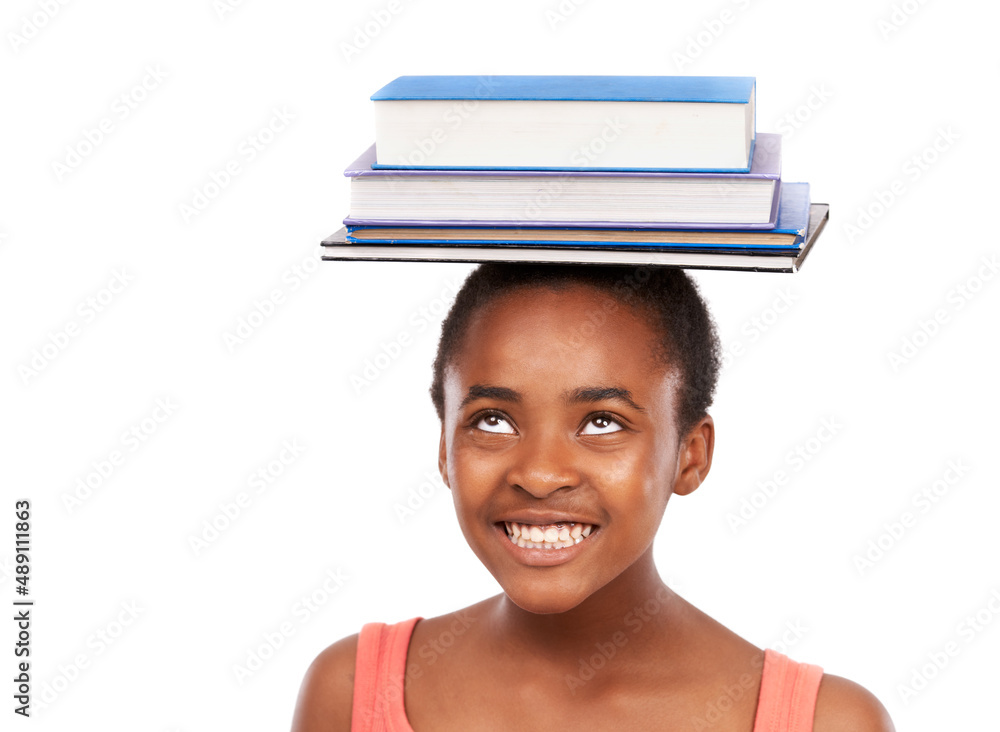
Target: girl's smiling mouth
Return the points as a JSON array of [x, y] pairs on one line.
[[545, 544], [558, 535]]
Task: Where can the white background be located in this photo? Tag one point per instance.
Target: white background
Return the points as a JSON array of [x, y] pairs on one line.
[[880, 94]]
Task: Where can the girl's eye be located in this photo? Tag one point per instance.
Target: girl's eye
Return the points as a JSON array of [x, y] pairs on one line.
[[494, 423], [601, 424]]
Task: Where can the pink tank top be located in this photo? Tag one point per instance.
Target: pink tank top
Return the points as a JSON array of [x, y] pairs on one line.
[[786, 702]]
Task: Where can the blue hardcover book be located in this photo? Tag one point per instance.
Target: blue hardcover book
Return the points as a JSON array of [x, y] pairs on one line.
[[786, 237], [653, 123]]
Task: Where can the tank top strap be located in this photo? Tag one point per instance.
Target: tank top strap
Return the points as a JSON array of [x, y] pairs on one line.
[[788, 690], [379, 677]]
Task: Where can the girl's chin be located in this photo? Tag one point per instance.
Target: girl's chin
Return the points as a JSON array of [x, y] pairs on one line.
[[547, 601]]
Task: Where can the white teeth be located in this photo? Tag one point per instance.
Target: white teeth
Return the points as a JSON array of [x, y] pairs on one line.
[[554, 536]]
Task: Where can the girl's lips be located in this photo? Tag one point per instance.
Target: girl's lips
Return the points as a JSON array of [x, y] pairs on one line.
[[539, 557]]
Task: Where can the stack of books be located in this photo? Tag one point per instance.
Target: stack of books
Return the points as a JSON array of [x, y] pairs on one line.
[[575, 169]]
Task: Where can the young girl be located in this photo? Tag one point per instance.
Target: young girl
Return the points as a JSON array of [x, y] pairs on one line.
[[573, 403]]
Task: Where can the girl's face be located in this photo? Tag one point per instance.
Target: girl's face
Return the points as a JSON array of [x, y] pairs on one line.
[[557, 413]]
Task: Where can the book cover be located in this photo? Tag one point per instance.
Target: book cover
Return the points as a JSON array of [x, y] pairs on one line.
[[700, 89]]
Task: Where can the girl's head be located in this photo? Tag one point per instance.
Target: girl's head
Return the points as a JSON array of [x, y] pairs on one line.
[[686, 336], [572, 395]]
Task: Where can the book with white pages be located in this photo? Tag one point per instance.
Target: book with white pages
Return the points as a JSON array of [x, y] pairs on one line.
[[526, 198]]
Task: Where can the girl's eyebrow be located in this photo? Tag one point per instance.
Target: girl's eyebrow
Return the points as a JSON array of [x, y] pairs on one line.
[[583, 395], [601, 393], [484, 391]]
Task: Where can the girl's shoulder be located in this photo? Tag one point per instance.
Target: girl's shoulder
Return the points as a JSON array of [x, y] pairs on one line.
[[843, 705], [327, 691], [359, 665]]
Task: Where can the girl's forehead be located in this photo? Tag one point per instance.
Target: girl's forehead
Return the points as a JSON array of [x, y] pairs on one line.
[[578, 309], [537, 324], [562, 301]]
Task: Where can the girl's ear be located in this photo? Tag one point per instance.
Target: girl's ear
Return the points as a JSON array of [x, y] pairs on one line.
[[694, 458], [443, 459]]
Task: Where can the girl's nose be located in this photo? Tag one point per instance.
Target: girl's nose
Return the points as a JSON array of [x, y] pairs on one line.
[[544, 464]]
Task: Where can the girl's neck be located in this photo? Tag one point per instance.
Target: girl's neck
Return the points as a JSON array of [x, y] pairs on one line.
[[636, 602]]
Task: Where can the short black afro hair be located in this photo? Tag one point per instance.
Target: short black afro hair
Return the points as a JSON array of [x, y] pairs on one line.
[[689, 341]]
